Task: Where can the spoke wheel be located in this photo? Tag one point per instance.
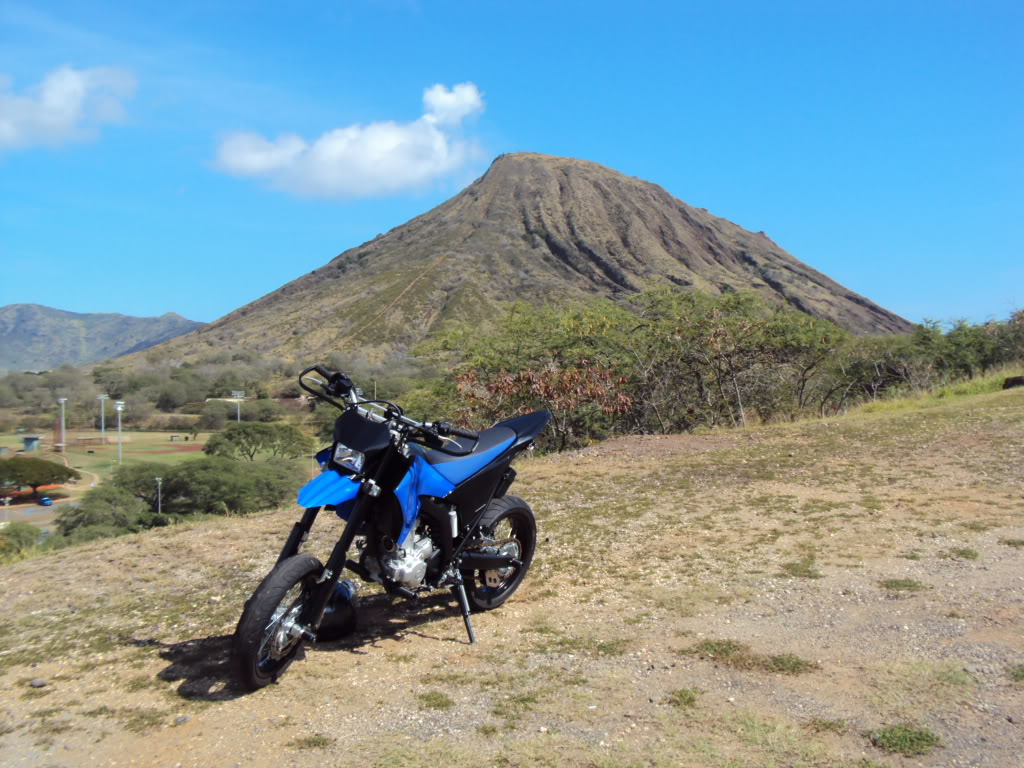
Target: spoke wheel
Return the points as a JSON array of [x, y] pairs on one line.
[[267, 638], [509, 528]]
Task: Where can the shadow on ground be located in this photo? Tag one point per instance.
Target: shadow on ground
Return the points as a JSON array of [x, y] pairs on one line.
[[203, 665]]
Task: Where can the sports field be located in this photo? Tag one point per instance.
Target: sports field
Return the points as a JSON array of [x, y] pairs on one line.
[[96, 460]]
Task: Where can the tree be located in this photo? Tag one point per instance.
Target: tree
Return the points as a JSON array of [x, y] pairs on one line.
[[247, 440], [263, 411], [34, 472], [220, 486], [139, 480], [108, 507], [172, 395], [214, 415]]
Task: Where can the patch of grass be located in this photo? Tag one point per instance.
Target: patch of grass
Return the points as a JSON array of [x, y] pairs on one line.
[[1017, 673], [43, 713], [902, 585], [905, 740], [683, 698], [435, 700], [512, 709], [962, 553], [822, 725], [1012, 542], [488, 729], [142, 682], [554, 641], [36, 693], [741, 656], [316, 741], [911, 555], [49, 728], [786, 664], [140, 720], [979, 526], [103, 711], [801, 569]]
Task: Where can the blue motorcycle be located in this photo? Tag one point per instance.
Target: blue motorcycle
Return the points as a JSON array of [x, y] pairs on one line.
[[426, 506]]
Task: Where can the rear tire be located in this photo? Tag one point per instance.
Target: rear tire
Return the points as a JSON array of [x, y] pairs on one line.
[[263, 649], [510, 524]]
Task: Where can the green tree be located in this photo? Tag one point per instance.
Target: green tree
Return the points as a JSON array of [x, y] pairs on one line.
[[172, 395], [214, 415], [34, 472], [108, 507], [249, 439], [139, 480], [262, 410], [220, 486]]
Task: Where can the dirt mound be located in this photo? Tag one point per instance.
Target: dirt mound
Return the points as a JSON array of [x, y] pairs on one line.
[[811, 595]]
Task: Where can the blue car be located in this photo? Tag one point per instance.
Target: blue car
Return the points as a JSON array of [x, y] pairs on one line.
[[46, 501]]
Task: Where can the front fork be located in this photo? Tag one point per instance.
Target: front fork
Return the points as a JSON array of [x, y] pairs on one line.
[[313, 611], [298, 534]]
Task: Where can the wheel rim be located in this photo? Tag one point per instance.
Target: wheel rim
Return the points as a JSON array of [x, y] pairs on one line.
[[280, 636], [505, 537]]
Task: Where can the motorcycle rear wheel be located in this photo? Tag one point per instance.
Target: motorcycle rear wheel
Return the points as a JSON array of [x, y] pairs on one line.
[[510, 524], [264, 643]]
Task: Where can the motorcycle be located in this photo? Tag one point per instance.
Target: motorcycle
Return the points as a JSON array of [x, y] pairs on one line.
[[427, 507]]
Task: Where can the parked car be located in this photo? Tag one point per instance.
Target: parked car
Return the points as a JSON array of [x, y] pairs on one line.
[[46, 501]]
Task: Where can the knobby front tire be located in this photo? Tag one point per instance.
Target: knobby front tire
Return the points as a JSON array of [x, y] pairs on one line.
[[263, 649]]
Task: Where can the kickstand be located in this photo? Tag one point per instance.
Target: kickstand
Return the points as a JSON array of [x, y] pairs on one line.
[[460, 592]]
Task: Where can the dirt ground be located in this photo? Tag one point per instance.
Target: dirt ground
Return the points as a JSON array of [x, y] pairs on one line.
[[781, 596]]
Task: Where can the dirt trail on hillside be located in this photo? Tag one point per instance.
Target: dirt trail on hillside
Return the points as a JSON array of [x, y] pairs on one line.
[[783, 596]]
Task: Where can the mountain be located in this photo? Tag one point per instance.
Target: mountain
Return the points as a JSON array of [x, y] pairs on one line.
[[534, 227], [34, 337]]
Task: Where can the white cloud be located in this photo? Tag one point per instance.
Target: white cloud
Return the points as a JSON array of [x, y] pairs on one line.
[[68, 105], [363, 160], [450, 107]]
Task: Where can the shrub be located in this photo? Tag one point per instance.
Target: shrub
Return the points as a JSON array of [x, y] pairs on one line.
[[905, 740]]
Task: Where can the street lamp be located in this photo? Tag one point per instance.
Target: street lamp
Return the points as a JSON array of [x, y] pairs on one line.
[[62, 400], [119, 406], [103, 418], [159, 499], [238, 394]]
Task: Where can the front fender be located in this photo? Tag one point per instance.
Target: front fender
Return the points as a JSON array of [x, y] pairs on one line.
[[329, 488]]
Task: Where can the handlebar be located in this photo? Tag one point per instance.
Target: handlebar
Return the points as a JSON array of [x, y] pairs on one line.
[[340, 385]]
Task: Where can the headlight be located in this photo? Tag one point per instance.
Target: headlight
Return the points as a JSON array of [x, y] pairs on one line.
[[349, 459]]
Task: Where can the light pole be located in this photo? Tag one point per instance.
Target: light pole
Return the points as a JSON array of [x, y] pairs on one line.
[[119, 406], [103, 418], [62, 400], [238, 394], [159, 495]]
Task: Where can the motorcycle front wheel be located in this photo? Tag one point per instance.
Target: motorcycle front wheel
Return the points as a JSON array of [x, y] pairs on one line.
[[266, 641]]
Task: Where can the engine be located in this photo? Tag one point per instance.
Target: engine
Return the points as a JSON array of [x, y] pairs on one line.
[[405, 565]]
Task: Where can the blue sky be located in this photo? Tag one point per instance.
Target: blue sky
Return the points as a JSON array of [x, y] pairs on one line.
[[191, 157]]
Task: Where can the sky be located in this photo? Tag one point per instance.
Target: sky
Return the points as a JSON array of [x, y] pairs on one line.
[[191, 157]]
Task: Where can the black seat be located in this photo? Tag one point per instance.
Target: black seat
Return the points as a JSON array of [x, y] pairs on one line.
[[527, 426], [489, 438]]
